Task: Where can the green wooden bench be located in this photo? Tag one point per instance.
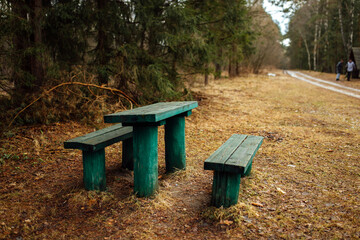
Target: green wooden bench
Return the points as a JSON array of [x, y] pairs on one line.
[[93, 153], [230, 162]]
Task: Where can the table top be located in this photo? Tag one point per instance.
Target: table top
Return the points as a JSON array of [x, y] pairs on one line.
[[151, 113]]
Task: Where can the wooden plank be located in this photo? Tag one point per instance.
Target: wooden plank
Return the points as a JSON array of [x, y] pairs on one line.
[[100, 139], [241, 159], [217, 160], [151, 113], [96, 133], [159, 123], [112, 137], [176, 109]]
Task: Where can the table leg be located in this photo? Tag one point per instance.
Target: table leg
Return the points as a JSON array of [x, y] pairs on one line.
[[145, 145], [175, 156]]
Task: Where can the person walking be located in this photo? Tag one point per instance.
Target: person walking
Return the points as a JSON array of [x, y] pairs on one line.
[[350, 67], [339, 66]]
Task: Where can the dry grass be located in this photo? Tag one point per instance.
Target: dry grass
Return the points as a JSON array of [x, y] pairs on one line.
[[305, 180]]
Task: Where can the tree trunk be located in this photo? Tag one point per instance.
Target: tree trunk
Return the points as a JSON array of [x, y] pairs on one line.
[[347, 40], [232, 62], [37, 68], [316, 39], [102, 44], [326, 28], [217, 70], [237, 68], [351, 27], [28, 74], [206, 77], [21, 43], [218, 65], [342, 27], [28, 67], [232, 69], [307, 49]]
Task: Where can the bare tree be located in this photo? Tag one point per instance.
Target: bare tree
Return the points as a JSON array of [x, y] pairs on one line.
[[268, 50], [299, 24], [316, 5], [347, 36]]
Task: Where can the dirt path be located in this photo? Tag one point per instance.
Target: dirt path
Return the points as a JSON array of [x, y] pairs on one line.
[[353, 92], [305, 181]]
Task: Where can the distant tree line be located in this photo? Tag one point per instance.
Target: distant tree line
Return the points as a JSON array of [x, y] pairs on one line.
[[322, 32]]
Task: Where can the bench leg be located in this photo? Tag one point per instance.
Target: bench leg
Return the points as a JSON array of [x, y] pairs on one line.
[[175, 157], [127, 154], [248, 170], [94, 170], [225, 190], [145, 145]]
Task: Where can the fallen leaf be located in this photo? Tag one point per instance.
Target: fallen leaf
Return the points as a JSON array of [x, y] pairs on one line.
[[92, 202], [280, 190], [257, 204], [226, 222]]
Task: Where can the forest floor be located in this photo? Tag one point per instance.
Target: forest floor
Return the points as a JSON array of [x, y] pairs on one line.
[[305, 180]]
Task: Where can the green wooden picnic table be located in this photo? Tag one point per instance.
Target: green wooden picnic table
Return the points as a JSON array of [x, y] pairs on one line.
[[145, 121]]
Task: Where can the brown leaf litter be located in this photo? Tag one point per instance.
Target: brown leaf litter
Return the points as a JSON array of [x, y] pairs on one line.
[[305, 181]]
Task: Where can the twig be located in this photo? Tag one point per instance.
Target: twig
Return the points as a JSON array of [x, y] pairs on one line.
[[131, 101]]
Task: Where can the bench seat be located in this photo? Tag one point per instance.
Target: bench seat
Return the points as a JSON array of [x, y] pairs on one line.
[[93, 153], [230, 162]]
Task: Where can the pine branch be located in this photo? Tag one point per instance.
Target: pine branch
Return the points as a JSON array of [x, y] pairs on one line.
[[210, 22]]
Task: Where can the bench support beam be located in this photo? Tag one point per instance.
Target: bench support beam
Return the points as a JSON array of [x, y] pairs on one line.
[[94, 170], [145, 139], [175, 156], [225, 190]]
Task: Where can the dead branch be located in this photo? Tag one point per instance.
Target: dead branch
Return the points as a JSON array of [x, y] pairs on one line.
[[113, 90]]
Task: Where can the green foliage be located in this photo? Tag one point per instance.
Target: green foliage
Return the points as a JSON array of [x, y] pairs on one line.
[[65, 27], [5, 157], [140, 47]]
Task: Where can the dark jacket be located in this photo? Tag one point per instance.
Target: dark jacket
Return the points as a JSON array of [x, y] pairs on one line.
[[339, 67]]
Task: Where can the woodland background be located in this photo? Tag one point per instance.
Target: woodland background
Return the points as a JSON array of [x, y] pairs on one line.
[[75, 59], [63, 64]]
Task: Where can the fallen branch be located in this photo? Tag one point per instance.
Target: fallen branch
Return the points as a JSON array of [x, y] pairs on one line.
[[113, 90]]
